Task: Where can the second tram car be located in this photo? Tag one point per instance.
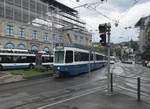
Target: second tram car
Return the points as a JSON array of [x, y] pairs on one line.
[[15, 58], [71, 61]]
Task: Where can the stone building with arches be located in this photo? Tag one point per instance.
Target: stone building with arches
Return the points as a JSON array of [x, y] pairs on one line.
[[39, 25], [15, 36]]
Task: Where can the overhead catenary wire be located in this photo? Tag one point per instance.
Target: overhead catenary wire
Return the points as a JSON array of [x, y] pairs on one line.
[[91, 7], [136, 1]]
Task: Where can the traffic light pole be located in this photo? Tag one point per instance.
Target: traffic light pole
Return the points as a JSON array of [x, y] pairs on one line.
[[103, 30], [109, 74]]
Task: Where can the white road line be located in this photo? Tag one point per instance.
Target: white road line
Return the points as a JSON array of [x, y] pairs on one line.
[[75, 97]]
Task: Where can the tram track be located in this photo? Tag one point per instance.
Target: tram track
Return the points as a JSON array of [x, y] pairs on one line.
[[25, 94], [60, 94], [24, 84], [30, 83], [20, 84]]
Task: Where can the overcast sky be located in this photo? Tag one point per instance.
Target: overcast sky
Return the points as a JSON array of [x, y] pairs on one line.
[[124, 11]]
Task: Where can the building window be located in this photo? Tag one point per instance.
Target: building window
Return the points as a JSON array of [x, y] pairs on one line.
[[34, 34], [87, 40], [9, 46], [45, 36], [46, 49], [21, 32], [9, 30], [21, 46], [76, 37], [81, 37], [34, 49]]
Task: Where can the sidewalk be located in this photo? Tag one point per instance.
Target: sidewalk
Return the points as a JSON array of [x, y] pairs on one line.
[[100, 100], [6, 77]]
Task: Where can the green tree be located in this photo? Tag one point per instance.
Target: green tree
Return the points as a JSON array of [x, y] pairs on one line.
[[134, 45], [99, 48]]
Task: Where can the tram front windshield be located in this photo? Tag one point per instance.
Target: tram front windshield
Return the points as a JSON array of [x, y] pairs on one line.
[[59, 57]]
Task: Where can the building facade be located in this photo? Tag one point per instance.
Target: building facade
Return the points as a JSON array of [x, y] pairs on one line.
[[144, 36], [14, 35], [38, 25]]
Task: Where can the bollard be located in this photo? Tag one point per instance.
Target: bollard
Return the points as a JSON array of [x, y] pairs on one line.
[[138, 89], [111, 82]]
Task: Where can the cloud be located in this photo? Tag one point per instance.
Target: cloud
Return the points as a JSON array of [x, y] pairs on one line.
[[121, 10], [135, 13], [129, 19]]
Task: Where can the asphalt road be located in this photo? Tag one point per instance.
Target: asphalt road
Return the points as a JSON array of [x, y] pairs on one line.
[[39, 93]]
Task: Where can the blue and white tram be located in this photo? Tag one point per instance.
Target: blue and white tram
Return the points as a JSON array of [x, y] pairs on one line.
[[15, 58], [71, 61]]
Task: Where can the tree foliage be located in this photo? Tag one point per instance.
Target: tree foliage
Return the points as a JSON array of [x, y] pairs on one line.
[[99, 48]]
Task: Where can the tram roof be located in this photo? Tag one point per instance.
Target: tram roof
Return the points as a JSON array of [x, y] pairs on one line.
[[81, 47], [18, 50]]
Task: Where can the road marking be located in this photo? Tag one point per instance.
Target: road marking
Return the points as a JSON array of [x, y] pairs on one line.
[[75, 97]]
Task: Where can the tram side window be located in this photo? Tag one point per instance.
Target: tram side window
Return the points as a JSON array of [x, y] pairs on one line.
[[69, 57], [44, 59], [31, 59], [6, 59], [77, 56], [104, 57], [0, 59], [99, 57], [84, 57], [51, 59], [80, 56], [22, 59], [47, 59]]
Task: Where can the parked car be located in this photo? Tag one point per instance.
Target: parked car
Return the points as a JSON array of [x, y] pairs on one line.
[[112, 60], [128, 62], [138, 62], [145, 63]]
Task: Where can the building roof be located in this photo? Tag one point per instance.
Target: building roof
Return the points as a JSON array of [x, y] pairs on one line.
[[140, 21], [61, 6]]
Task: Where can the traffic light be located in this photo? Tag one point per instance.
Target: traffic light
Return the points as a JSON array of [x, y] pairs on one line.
[[102, 28], [103, 39]]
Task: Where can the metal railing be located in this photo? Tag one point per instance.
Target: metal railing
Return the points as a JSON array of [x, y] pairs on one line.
[[137, 86]]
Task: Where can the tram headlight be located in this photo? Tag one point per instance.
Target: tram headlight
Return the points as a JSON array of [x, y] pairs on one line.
[[58, 68]]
